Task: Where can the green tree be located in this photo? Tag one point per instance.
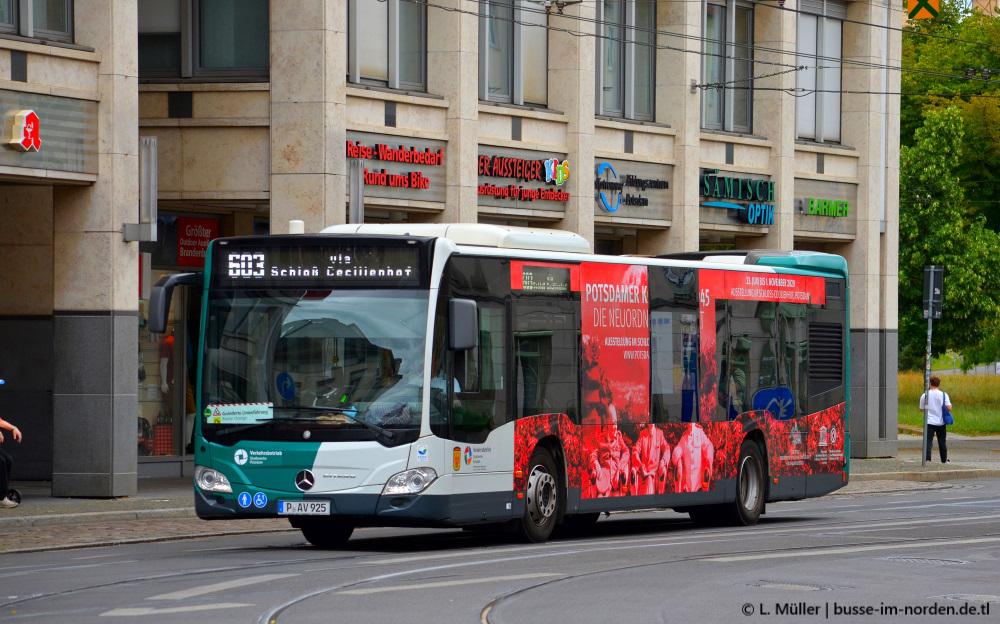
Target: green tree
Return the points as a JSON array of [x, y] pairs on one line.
[[947, 56], [937, 227]]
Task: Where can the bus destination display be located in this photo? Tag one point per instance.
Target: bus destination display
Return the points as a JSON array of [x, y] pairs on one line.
[[345, 266], [545, 278]]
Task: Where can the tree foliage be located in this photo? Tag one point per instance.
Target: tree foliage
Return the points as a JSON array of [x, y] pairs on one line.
[[957, 44], [937, 227]]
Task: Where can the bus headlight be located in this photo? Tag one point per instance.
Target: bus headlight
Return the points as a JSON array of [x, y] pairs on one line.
[[412, 481], [211, 480]]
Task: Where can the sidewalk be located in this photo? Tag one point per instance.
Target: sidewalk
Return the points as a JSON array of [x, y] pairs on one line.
[[163, 509]]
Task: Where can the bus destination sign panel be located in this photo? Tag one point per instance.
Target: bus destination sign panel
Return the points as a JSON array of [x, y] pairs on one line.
[[545, 278], [343, 266]]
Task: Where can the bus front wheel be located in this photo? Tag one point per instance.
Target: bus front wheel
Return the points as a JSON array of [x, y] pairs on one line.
[[541, 504], [749, 486], [326, 532]]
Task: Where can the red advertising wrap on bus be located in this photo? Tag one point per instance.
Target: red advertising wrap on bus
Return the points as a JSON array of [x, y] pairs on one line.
[[617, 451]]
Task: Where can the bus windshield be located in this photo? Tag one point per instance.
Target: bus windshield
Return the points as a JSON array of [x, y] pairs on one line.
[[331, 365]]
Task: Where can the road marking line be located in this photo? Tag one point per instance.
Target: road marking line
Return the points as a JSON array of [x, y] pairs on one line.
[[208, 589], [851, 549], [135, 611], [492, 579]]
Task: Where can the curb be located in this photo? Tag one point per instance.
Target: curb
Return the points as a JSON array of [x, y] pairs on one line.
[[96, 516], [939, 475]]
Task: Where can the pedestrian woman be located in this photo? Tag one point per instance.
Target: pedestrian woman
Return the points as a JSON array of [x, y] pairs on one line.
[[6, 461], [933, 402]]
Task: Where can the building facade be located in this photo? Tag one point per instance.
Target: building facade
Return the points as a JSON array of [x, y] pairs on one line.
[[646, 126]]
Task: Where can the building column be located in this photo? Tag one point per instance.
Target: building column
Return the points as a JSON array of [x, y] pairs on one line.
[[678, 106], [453, 73], [774, 114], [308, 114], [869, 128], [96, 279], [571, 90]]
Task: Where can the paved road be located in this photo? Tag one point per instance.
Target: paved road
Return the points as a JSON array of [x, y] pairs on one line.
[[918, 546]]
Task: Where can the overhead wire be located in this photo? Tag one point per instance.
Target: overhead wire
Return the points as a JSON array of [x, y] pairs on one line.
[[705, 40], [748, 47]]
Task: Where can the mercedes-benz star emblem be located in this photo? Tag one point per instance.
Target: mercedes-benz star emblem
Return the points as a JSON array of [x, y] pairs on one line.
[[305, 480]]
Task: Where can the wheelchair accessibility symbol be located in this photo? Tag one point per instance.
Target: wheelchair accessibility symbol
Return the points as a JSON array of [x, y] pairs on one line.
[[244, 500], [259, 500]]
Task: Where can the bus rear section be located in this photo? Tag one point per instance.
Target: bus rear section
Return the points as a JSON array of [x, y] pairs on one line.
[[483, 376]]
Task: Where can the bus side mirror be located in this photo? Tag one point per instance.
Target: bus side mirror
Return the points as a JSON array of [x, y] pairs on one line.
[[159, 298], [464, 329]]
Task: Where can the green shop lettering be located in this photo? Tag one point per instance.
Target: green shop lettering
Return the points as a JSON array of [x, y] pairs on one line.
[[828, 207]]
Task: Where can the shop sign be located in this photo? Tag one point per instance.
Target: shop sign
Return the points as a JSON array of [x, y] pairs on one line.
[[70, 129], [402, 168], [507, 177], [25, 134], [182, 241], [193, 237], [614, 189], [752, 198], [825, 207]]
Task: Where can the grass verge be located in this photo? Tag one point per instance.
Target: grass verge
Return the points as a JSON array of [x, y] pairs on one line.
[[976, 401]]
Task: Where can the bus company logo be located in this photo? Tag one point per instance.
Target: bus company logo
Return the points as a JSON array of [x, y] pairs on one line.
[[824, 436], [795, 435], [556, 171], [241, 457], [456, 458], [422, 453], [26, 132], [468, 455]]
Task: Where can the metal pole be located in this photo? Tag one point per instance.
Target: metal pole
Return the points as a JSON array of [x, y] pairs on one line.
[[927, 389]]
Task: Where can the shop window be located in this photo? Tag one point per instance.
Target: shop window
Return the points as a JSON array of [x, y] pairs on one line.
[[39, 19], [727, 62], [513, 52], [818, 47], [387, 43], [626, 58], [204, 39]]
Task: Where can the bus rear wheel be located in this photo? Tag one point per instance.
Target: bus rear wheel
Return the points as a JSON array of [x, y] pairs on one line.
[[749, 486], [325, 532], [541, 504]]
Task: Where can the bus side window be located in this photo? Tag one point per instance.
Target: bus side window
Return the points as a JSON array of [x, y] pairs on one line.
[[546, 356], [673, 329], [479, 396], [480, 405]]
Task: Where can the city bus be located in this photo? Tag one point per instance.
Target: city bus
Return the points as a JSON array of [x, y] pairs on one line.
[[480, 376]]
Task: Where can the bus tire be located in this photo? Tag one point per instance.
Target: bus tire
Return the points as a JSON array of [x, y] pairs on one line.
[[745, 510], [325, 533], [542, 498]]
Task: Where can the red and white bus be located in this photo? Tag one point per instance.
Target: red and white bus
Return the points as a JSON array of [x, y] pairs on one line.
[[476, 375]]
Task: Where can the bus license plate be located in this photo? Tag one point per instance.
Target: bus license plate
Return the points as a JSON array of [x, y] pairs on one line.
[[303, 508]]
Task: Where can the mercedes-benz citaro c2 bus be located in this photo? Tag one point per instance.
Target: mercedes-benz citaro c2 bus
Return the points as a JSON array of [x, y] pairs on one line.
[[473, 375]]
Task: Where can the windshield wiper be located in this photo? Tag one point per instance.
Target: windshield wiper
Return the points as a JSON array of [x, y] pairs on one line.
[[350, 413]]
